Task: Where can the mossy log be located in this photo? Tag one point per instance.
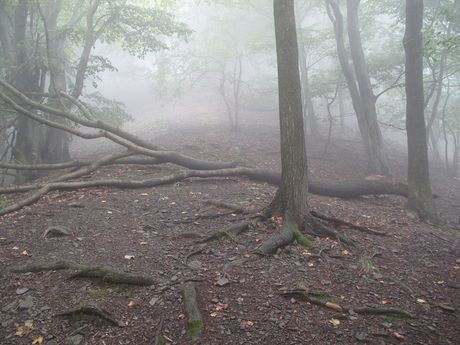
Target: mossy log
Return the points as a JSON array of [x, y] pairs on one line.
[[194, 321]]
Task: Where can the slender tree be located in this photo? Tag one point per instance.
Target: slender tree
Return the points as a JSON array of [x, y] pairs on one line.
[[291, 198], [420, 196], [362, 97]]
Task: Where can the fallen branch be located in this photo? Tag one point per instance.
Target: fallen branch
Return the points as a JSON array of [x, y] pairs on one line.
[[256, 174]]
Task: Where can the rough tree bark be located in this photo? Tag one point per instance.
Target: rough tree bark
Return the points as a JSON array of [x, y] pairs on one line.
[[420, 196]]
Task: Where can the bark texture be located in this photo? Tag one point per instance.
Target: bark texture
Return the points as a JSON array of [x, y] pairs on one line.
[[293, 151], [420, 196]]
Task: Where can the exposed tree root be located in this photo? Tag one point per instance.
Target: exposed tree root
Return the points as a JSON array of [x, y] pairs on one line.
[[91, 311], [192, 253], [323, 300], [101, 274], [392, 312], [317, 228], [194, 321], [159, 339], [289, 233], [108, 276], [230, 232], [234, 208], [43, 267], [341, 222]]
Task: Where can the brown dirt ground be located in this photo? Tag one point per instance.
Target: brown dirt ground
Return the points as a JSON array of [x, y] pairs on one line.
[[415, 268]]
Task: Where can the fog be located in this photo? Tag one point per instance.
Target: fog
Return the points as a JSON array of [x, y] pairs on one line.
[[229, 172]]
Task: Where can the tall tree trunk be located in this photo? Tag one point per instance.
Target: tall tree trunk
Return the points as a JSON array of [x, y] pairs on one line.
[[293, 150], [55, 148], [377, 160], [26, 80], [308, 109], [370, 145], [341, 107], [420, 197]]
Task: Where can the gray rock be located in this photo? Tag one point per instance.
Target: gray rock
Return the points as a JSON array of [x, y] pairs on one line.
[[153, 301], [222, 282], [27, 303], [195, 264], [21, 291], [56, 231], [75, 339]]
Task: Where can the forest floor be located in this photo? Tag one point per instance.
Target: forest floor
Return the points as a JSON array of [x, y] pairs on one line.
[[152, 232]]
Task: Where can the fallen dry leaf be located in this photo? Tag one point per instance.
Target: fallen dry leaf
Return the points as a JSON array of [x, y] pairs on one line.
[[334, 322], [25, 329], [334, 306], [131, 304], [38, 341], [398, 336]]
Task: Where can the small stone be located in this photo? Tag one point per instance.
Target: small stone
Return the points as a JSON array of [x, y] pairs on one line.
[[361, 336], [195, 264], [153, 301], [174, 278], [27, 303], [75, 339], [21, 291], [222, 282]]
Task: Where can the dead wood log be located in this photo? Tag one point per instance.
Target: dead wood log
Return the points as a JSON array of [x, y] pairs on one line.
[[256, 174], [194, 321]]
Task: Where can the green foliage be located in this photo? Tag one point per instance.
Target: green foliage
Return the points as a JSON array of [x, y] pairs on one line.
[[107, 110], [140, 29]]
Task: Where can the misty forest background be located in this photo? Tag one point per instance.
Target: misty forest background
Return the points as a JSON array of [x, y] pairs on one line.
[[98, 96]]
